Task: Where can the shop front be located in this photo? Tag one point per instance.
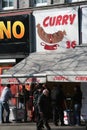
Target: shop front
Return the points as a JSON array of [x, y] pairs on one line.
[[67, 69]]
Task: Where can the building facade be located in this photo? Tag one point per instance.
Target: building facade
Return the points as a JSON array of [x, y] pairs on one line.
[[25, 29], [20, 4]]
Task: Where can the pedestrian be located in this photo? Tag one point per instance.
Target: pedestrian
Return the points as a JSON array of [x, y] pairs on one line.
[[44, 86], [30, 106], [58, 103], [23, 100], [77, 104], [36, 95], [44, 110], [6, 95]]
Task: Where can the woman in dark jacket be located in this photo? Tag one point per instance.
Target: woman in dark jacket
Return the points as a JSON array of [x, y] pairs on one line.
[[77, 104]]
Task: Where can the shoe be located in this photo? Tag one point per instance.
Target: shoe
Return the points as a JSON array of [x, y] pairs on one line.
[[56, 124], [77, 125], [62, 124], [48, 128], [42, 127], [8, 122], [39, 128]]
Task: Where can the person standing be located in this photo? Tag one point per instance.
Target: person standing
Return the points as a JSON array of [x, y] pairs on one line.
[[36, 95], [77, 104], [58, 103], [43, 108], [23, 100], [6, 95]]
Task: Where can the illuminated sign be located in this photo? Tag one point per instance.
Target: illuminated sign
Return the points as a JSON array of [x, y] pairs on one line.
[[14, 29], [9, 32], [14, 35]]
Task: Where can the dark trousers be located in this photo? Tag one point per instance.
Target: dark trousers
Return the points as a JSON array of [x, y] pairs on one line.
[[55, 114], [42, 120], [77, 112], [58, 114], [5, 106]]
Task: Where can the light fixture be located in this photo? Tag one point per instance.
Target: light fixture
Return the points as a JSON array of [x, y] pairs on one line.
[[7, 60]]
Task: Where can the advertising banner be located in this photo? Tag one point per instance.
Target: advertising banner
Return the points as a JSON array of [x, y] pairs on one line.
[[56, 29]]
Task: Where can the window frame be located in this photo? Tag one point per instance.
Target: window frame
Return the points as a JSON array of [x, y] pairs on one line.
[[8, 5], [40, 2]]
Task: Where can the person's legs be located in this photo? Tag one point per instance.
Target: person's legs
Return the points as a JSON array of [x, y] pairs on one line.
[[47, 124], [39, 125], [55, 115], [2, 114], [6, 107], [61, 115], [39, 122], [77, 114]]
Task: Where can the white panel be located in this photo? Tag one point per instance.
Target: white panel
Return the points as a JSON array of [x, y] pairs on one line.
[[23, 4], [84, 25]]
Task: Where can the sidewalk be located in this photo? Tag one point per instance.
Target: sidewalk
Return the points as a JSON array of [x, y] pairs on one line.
[[32, 126]]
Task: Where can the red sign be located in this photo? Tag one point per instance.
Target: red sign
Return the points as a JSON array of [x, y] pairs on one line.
[[67, 78]]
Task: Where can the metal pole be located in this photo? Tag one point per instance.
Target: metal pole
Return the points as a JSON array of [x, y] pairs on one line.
[[0, 112]]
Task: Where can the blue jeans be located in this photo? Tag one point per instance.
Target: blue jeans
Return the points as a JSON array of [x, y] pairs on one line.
[[77, 112], [5, 106]]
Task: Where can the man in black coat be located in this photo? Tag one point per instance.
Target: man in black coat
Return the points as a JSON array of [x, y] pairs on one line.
[[44, 108], [57, 101]]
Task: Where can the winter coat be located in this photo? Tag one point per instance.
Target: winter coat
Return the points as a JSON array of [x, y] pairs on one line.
[[44, 105]]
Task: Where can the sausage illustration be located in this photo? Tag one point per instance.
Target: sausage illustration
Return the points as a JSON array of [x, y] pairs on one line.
[[50, 38]]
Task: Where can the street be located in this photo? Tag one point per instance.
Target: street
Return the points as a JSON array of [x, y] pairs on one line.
[[32, 126]]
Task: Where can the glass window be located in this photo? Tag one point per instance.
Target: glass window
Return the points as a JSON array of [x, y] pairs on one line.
[[70, 1], [40, 2], [10, 2], [7, 4], [4, 3]]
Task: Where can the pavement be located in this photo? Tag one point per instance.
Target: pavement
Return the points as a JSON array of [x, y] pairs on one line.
[[32, 126]]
